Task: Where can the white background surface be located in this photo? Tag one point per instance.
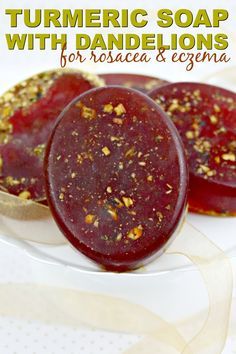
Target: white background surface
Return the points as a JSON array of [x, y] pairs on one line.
[[32, 337]]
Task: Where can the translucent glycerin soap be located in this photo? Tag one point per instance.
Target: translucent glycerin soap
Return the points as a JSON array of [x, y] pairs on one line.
[[28, 113], [205, 117], [116, 177]]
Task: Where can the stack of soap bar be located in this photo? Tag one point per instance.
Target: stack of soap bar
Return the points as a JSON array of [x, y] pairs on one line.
[[142, 83], [205, 116], [27, 114], [116, 177]]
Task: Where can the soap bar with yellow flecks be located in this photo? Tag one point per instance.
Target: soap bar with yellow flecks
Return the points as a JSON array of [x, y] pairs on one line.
[[116, 177], [205, 116], [28, 112]]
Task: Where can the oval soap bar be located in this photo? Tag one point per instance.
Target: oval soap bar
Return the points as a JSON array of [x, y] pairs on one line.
[[141, 83], [205, 116], [116, 177], [27, 114]]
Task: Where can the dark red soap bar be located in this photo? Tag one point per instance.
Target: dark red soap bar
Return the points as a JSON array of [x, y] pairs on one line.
[[116, 177], [205, 116], [27, 114], [142, 83]]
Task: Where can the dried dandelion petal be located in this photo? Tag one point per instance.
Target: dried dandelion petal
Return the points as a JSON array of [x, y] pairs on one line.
[[27, 114], [126, 229], [142, 83], [205, 116]]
